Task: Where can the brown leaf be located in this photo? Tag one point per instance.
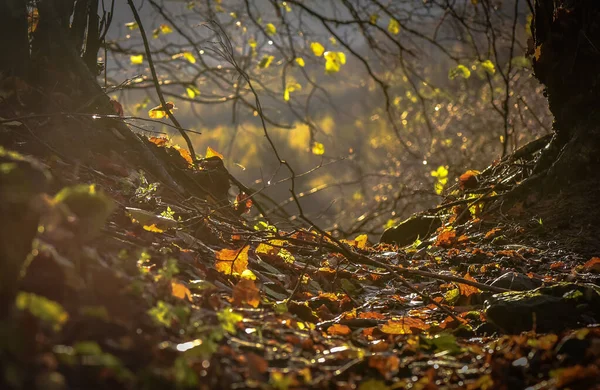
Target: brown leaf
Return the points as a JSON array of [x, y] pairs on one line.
[[468, 180], [246, 292], [386, 365]]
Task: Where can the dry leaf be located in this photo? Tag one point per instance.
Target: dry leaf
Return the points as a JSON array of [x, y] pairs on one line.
[[230, 261], [405, 325], [467, 290], [210, 152], [246, 292], [178, 290], [338, 330]]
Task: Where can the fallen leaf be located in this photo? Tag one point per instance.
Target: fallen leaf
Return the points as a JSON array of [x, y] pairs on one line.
[[338, 330], [592, 265], [229, 261], [467, 290], [179, 290], [405, 325], [246, 292]]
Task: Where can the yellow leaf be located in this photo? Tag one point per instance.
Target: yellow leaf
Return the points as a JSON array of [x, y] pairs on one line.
[[165, 29], [317, 49], [229, 261], [270, 29], [137, 59], [373, 19], [361, 241], [178, 290], [265, 62], [394, 27], [152, 228], [334, 61], [159, 112], [190, 57], [404, 326], [246, 292], [286, 94], [210, 152], [192, 91], [252, 43], [318, 148], [300, 62], [247, 274], [488, 66], [131, 25]]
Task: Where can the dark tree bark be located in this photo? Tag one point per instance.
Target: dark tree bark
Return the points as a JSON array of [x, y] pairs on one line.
[[14, 39], [567, 61]]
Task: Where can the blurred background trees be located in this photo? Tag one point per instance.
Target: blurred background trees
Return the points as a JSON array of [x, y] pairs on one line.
[[381, 104]]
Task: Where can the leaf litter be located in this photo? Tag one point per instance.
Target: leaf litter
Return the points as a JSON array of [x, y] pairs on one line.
[[172, 293]]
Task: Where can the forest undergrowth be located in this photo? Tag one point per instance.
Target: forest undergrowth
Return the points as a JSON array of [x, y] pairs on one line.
[[132, 284]]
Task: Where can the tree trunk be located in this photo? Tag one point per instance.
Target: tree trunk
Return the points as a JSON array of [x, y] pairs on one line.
[[567, 61], [14, 40]]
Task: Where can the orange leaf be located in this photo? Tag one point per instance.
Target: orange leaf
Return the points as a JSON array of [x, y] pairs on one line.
[[405, 325], [231, 260], [159, 141], [445, 239], [210, 152], [557, 265], [372, 315], [592, 265], [152, 228], [338, 330], [186, 155], [178, 290], [467, 290], [468, 180], [246, 292]]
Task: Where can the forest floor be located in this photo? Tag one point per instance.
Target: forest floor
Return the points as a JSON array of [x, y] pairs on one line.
[[172, 291]]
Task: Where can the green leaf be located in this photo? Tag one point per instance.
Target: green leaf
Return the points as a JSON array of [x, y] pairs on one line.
[[265, 62], [229, 319], [132, 25], [270, 29], [444, 342], [459, 71], [163, 314], [394, 27], [42, 308]]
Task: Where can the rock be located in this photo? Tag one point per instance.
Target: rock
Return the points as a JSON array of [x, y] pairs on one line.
[[516, 282], [405, 233], [545, 309]]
